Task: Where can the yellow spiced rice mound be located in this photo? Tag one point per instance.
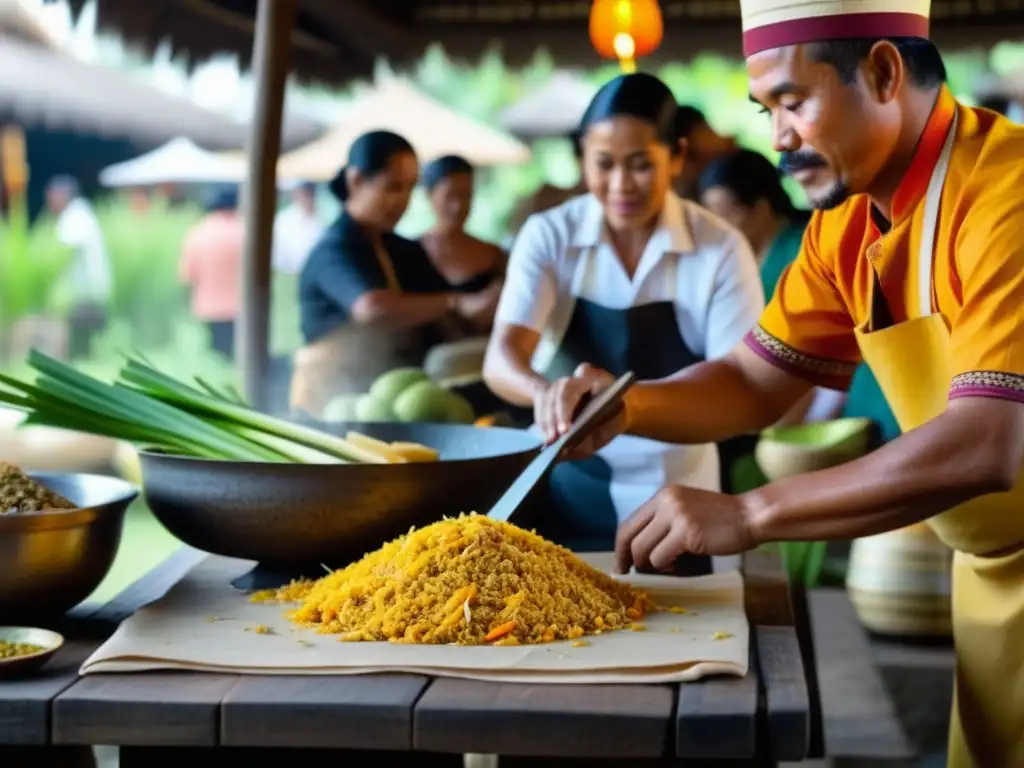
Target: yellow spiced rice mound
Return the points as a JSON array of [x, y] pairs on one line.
[[468, 580]]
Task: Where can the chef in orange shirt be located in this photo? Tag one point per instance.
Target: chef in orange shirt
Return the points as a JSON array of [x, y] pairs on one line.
[[913, 263]]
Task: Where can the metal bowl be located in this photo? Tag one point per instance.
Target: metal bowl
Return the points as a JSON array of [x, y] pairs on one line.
[[299, 513], [19, 666], [51, 561]]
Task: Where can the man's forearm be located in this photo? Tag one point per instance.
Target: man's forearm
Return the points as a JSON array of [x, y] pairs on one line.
[[709, 402], [924, 472]]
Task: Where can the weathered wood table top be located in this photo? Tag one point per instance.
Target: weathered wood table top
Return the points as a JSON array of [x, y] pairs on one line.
[[766, 714]]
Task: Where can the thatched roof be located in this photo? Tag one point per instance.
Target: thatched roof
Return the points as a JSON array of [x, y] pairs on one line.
[[52, 88], [41, 84], [336, 40]]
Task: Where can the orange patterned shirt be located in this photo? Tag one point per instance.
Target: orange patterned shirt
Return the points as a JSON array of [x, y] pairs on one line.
[[978, 282]]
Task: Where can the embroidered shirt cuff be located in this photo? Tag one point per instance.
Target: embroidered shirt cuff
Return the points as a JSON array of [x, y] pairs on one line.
[[821, 371], [1004, 386]]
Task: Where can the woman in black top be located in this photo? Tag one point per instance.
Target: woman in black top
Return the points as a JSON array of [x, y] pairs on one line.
[[370, 299], [467, 263]]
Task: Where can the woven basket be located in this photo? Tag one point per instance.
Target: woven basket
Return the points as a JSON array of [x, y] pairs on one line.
[[899, 583]]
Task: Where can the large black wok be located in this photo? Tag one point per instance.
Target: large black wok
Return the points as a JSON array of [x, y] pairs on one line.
[[289, 516]]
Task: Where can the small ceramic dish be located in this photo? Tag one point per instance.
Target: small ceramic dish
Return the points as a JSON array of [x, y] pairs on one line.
[[20, 666], [793, 450]]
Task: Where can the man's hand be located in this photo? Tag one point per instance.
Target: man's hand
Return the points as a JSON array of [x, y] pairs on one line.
[[555, 407], [680, 520]]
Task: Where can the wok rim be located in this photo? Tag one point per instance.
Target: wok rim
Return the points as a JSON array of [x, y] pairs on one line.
[[158, 454]]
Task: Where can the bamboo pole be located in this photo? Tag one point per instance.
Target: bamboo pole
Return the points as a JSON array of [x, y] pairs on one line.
[[271, 52]]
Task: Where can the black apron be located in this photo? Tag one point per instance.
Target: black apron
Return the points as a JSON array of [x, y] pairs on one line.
[[644, 339]]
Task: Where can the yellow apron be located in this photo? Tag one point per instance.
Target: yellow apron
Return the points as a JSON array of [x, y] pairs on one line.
[[350, 358], [913, 364]]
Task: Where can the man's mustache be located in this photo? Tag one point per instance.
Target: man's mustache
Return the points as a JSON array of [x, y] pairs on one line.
[[792, 162]]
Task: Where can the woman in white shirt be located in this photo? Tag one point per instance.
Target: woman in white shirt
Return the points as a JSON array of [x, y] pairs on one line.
[[626, 277]]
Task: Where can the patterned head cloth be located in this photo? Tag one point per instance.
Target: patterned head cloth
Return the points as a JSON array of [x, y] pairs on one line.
[[776, 23]]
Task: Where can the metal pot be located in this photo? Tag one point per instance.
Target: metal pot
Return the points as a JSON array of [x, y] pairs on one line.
[[51, 561]]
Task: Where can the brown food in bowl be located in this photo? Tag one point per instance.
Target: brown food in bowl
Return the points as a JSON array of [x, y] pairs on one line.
[[20, 494]]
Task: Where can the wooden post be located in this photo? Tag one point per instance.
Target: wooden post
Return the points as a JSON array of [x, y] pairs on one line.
[[271, 48]]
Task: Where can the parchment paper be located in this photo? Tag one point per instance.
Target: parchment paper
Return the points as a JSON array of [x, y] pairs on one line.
[[204, 624]]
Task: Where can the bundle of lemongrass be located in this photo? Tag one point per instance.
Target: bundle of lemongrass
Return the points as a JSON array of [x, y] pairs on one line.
[[155, 411]]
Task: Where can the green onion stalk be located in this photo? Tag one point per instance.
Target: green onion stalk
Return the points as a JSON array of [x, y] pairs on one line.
[[155, 411]]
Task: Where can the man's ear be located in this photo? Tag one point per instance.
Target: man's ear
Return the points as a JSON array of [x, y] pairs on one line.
[[884, 71]]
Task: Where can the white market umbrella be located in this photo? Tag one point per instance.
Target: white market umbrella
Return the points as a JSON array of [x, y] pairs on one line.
[[179, 161], [432, 128], [552, 110]]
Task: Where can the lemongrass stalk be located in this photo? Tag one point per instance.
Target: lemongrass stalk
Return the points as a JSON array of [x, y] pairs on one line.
[[237, 396], [210, 389], [44, 411], [15, 401], [111, 403], [290, 450], [180, 422], [162, 386], [131, 405], [228, 394]]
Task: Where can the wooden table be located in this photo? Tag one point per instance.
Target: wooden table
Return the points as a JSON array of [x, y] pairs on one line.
[[754, 721]]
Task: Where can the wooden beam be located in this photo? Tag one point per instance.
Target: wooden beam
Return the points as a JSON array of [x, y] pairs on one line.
[[364, 27], [272, 48], [244, 23]]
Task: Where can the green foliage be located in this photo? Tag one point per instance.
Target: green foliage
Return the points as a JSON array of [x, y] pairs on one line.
[[144, 249], [804, 561], [1007, 59], [285, 334], [186, 354], [32, 261]]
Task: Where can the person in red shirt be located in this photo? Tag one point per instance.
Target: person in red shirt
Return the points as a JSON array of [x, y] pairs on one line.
[[211, 263]]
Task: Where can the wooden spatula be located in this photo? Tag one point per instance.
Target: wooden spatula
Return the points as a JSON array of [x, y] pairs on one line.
[[594, 413]]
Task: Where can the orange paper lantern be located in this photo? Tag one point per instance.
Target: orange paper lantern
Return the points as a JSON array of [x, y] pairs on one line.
[[626, 29]]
